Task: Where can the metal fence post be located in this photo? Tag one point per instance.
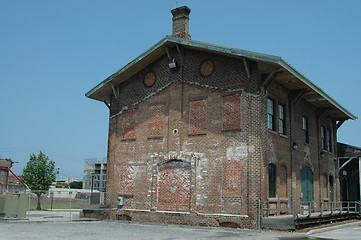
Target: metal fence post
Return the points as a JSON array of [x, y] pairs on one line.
[[29, 199], [321, 209], [52, 199], [111, 206], [259, 214], [294, 210], [331, 208], [309, 209], [70, 204]]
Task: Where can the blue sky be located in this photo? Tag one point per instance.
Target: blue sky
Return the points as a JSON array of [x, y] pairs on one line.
[[53, 52]]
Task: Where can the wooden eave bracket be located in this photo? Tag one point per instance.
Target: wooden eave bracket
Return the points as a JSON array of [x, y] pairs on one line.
[[181, 53], [115, 90], [340, 123], [322, 113], [168, 54], [246, 66], [106, 104], [270, 78], [296, 95], [346, 162]]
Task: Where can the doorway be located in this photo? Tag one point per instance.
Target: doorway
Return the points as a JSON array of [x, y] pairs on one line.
[[306, 185]]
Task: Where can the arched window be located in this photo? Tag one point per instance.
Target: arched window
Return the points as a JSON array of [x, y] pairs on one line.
[[271, 180]]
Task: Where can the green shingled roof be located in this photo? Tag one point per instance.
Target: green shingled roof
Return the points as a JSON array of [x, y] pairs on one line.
[[192, 43], [218, 49]]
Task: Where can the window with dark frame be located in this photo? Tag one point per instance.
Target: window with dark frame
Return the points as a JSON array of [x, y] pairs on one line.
[[329, 140], [305, 129], [281, 119], [270, 114], [323, 138], [271, 180]]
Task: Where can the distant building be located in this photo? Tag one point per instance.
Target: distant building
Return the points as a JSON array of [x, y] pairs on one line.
[[66, 180], [4, 173], [14, 184], [9, 183], [95, 174], [350, 170]]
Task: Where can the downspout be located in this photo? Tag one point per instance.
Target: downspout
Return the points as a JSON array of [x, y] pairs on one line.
[[291, 106], [359, 176]]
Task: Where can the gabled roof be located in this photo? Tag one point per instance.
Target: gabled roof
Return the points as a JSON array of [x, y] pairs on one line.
[[290, 78]]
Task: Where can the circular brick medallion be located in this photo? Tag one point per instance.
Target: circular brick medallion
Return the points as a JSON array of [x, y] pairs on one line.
[[207, 68], [149, 79]]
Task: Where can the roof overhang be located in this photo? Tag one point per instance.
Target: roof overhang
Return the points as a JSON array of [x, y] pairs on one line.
[[289, 77]]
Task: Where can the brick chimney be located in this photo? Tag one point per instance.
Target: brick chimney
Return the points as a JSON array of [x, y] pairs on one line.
[[181, 22]]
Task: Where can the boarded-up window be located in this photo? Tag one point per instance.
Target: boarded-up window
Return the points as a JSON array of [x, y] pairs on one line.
[[231, 112], [129, 123], [197, 116], [232, 178], [174, 178], [126, 174], [156, 116]]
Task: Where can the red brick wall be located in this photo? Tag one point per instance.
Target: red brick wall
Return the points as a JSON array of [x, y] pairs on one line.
[[288, 161], [220, 161]]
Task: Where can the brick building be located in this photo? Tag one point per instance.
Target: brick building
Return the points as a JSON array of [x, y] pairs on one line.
[[350, 171], [5, 165], [199, 133], [10, 183]]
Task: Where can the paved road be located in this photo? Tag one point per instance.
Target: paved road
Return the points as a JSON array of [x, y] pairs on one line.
[[124, 230], [345, 232], [57, 225]]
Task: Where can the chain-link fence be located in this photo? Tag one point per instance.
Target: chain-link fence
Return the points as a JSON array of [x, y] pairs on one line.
[[57, 199], [77, 202]]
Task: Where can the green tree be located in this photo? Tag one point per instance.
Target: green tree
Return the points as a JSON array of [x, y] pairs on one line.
[[61, 185], [39, 174], [76, 185]]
